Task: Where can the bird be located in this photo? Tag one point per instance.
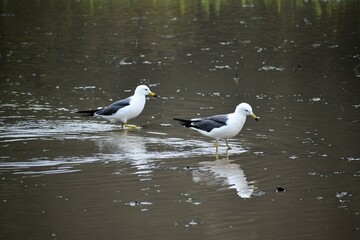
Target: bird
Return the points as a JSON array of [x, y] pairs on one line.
[[125, 109], [222, 126]]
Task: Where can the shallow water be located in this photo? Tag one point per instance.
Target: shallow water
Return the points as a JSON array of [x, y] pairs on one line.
[[64, 176]]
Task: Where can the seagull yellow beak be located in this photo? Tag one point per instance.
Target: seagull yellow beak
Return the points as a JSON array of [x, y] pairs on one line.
[[254, 117], [152, 94]]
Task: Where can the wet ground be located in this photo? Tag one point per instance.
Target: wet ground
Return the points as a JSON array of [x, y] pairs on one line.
[[292, 175]]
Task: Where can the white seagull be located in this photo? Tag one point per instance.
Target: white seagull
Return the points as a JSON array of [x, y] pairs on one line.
[[125, 109], [223, 126]]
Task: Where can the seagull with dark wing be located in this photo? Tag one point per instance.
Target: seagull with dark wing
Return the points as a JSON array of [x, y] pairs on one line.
[[125, 109], [221, 126]]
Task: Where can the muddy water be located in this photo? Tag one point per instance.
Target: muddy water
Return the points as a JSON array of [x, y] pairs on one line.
[[63, 176]]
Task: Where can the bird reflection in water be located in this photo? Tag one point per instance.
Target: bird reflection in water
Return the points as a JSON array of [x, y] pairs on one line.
[[144, 150], [122, 146], [226, 173], [143, 153]]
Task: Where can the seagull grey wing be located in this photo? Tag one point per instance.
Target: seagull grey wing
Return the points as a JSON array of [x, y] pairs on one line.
[[209, 123], [114, 107], [221, 119]]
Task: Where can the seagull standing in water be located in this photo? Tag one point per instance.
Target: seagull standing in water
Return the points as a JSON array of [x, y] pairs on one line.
[[125, 109], [223, 126]]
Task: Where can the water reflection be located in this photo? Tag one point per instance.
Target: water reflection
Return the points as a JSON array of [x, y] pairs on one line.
[[143, 149], [51, 129], [108, 143], [226, 173], [123, 146]]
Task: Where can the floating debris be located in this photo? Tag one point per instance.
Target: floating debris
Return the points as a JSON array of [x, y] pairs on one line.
[[315, 99], [261, 96], [271, 68], [166, 124], [259, 153], [342, 194], [280, 189], [293, 157], [191, 223], [351, 158], [191, 201], [225, 43], [123, 62], [223, 67], [137, 203], [85, 87]]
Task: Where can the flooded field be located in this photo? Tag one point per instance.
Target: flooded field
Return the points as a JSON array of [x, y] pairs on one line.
[[294, 174]]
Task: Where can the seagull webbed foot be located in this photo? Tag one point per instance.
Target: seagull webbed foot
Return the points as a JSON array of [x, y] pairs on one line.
[[130, 126]]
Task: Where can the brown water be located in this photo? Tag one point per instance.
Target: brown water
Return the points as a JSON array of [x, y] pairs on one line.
[[63, 176]]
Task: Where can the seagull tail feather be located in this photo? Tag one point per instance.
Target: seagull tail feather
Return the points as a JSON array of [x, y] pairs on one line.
[[88, 112], [184, 122]]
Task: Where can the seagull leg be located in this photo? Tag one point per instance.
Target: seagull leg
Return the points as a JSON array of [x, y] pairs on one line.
[[217, 149], [227, 144]]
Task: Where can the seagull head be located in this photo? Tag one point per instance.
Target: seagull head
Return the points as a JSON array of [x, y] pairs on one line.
[[246, 110], [144, 90]]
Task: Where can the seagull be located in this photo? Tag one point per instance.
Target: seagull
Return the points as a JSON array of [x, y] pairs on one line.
[[125, 109], [223, 126]]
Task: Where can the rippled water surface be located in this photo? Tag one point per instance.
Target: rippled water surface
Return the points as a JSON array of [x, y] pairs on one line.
[[292, 175]]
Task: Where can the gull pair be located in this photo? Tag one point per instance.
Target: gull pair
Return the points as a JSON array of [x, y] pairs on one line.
[[219, 127]]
